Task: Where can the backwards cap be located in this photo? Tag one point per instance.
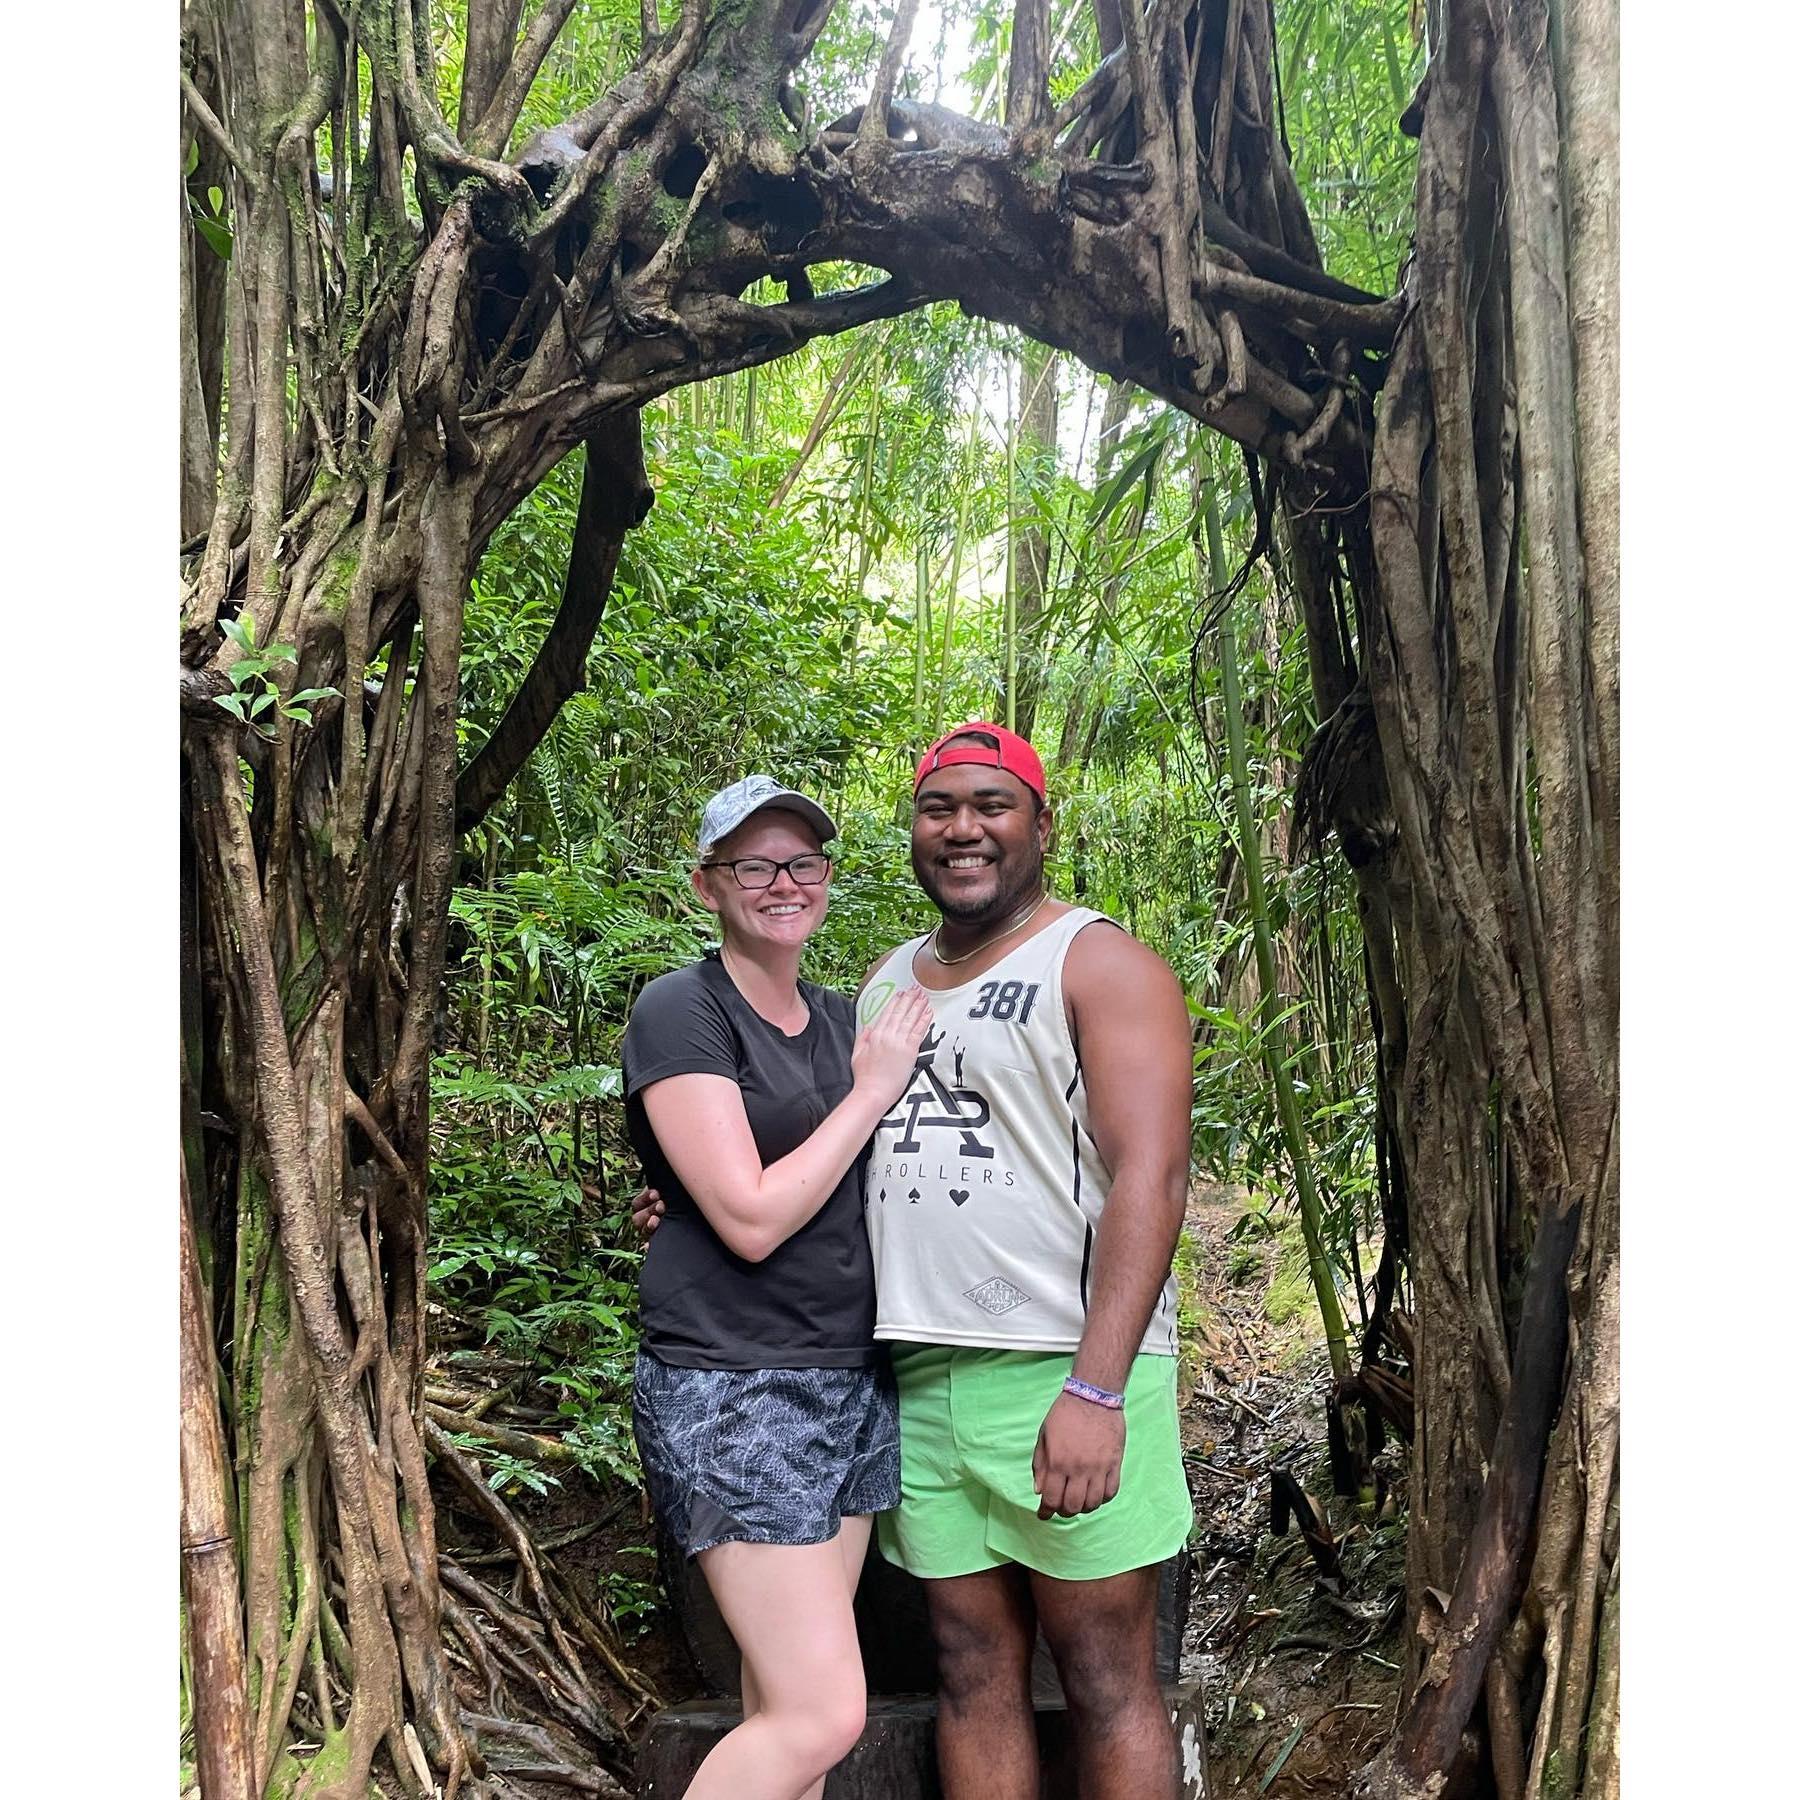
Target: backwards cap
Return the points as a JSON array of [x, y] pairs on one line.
[[1009, 751]]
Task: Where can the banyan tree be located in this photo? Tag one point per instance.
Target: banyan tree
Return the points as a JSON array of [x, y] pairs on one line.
[[425, 308]]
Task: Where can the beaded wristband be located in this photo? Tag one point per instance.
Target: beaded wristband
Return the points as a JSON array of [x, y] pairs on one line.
[[1084, 1390]]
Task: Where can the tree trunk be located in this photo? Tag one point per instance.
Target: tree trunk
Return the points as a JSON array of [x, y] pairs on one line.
[[1494, 683], [209, 1566]]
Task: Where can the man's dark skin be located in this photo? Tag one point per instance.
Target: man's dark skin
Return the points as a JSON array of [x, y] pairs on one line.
[[1130, 1025]]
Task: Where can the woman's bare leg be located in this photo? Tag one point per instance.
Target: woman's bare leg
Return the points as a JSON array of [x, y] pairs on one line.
[[788, 1607], [853, 1541]]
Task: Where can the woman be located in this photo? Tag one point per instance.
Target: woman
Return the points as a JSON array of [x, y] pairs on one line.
[[764, 1413]]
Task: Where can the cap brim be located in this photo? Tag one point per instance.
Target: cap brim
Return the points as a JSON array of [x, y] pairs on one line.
[[786, 801], [810, 810]]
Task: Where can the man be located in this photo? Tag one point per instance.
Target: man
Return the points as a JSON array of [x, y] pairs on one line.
[[1023, 1202]]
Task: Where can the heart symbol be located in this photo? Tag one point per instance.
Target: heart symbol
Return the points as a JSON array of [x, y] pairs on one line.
[[959, 1196], [913, 1196]]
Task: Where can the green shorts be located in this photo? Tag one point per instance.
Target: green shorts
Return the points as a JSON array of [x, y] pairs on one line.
[[969, 1422]]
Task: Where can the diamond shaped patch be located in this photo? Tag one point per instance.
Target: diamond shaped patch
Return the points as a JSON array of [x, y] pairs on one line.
[[997, 1295]]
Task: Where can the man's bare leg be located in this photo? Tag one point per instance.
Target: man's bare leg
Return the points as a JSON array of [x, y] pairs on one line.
[[1103, 1636], [984, 1628]]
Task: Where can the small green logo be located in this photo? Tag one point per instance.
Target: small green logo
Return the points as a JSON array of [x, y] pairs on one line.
[[875, 996]]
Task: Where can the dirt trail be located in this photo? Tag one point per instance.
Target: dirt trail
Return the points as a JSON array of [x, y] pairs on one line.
[[1299, 1680]]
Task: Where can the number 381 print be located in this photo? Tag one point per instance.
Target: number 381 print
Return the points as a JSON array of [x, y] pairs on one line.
[[1003, 1000]]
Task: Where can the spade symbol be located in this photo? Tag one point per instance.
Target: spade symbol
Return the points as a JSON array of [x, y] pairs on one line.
[[913, 1196], [959, 1196]]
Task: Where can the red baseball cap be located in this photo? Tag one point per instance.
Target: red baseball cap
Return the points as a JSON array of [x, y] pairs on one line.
[[1009, 752]]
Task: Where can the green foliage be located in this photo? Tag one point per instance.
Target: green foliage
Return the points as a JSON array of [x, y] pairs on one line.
[[209, 211], [255, 698], [742, 634], [520, 1252], [631, 1598], [1290, 1291], [1347, 72]]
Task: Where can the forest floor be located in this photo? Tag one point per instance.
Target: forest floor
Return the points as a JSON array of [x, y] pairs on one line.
[[1300, 1681], [1300, 1673]]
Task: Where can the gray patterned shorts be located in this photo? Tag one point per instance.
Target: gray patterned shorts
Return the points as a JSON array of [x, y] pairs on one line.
[[765, 1456]]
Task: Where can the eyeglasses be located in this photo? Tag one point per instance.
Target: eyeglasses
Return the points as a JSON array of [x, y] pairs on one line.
[[756, 872]]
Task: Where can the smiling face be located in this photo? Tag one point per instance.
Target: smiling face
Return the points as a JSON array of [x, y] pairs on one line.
[[978, 842], [785, 914]]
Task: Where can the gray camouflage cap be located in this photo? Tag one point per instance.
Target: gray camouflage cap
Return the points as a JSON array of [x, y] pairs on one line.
[[731, 806]]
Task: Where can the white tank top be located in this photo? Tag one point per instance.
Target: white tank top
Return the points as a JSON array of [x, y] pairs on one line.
[[984, 1186]]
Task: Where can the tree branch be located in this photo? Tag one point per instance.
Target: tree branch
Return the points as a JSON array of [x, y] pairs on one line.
[[1190, 340], [1027, 95], [416, 98], [442, 587], [1097, 88], [1143, 80], [1275, 264], [1222, 100], [487, 54], [1427, 1737], [640, 95], [214, 127], [903, 211], [874, 126], [1371, 324], [794, 321], [615, 495], [209, 1564], [502, 112]]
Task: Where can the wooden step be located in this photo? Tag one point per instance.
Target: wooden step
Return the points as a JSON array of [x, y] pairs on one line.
[[890, 1617], [894, 1758]]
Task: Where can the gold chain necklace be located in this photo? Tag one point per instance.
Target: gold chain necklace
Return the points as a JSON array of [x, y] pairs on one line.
[[1018, 924]]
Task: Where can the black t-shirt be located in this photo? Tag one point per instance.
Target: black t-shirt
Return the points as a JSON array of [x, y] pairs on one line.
[[811, 1302]]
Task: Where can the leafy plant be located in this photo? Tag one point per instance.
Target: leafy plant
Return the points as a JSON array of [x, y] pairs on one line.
[[505, 1473], [210, 219], [255, 694], [631, 1601]]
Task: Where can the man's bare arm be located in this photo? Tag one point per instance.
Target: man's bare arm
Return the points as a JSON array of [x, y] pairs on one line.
[[1137, 1063], [1131, 1025]]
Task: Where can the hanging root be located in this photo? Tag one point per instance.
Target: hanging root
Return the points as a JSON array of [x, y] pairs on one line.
[[1299, 446], [1236, 373]]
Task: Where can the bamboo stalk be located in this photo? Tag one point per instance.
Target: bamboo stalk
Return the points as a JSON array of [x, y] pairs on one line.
[[866, 485], [1009, 614], [1287, 1105], [921, 632], [956, 559], [833, 397]]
